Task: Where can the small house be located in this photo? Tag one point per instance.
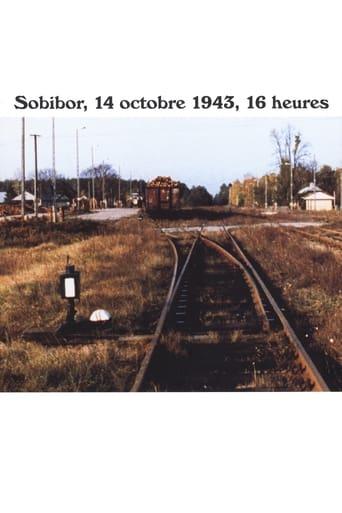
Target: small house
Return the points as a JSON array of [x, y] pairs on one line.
[[28, 197], [61, 201], [312, 187], [318, 200]]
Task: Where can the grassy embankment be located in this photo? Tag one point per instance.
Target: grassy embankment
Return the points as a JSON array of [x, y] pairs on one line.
[[308, 277], [125, 268]]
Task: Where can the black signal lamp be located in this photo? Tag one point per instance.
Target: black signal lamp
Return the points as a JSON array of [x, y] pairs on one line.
[[70, 283], [70, 289]]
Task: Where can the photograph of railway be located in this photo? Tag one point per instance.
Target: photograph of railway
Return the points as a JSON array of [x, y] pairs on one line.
[[170, 255]]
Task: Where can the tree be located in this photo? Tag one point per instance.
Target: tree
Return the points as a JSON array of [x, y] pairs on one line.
[[303, 176], [11, 191], [289, 148], [184, 192], [48, 175], [104, 176], [222, 197], [326, 179], [199, 197]]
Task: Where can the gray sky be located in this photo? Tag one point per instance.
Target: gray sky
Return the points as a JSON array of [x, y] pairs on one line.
[[206, 151]]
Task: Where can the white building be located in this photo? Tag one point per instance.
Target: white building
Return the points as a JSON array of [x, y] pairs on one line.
[[28, 197], [318, 201], [309, 188]]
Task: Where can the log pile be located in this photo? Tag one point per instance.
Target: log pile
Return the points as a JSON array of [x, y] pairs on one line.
[[163, 182]]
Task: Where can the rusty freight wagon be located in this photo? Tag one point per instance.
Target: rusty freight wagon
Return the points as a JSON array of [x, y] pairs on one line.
[[162, 193]]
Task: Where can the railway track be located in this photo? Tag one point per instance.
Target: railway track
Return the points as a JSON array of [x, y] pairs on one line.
[[221, 330], [329, 238]]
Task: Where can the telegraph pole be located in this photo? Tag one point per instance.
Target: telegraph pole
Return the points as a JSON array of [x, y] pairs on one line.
[[35, 136], [291, 180], [266, 203], [314, 181], [297, 142], [119, 192], [103, 182], [77, 172], [23, 167], [93, 175], [291, 183], [54, 181], [78, 167]]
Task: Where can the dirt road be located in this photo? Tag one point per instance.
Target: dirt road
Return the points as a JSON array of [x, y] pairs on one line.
[[110, 214]]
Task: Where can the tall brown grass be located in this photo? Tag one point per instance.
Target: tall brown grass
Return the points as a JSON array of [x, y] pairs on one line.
[[216, 215], [125, 271], [33, 232], [309, 277]]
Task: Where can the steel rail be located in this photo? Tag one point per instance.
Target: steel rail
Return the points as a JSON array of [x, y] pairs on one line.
[[310, 368], [328, 241], [139, 379], [259, 307], [334, 232]]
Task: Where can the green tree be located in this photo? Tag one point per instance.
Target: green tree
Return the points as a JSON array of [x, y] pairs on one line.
[[222, 197], [302, 176], [184, 194], [199, 197], [326, 179], [11, 191]]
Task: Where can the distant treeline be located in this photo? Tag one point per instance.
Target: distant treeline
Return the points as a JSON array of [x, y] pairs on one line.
[[275, 187], [107, 185]]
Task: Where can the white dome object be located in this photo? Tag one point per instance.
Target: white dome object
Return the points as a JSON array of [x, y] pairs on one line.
[[100, 316]]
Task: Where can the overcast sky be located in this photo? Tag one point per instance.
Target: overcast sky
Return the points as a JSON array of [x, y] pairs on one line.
[[206, 151]]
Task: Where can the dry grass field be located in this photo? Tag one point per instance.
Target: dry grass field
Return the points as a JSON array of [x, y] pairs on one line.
[[125, 268], [307, 276], [216, 215]]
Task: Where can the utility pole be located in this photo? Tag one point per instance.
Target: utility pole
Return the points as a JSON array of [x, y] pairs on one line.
[[119, 192], [314, 181], [93, 174], [291, 184], [266, 203], [103, 181], [78, 168], [54, 184], [77, 172], [23, 167], [291, 180], [35, 136], [255, 183], [296, 144]]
